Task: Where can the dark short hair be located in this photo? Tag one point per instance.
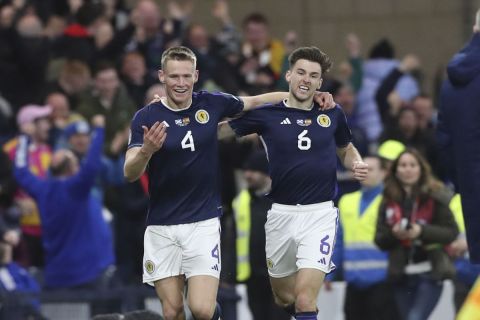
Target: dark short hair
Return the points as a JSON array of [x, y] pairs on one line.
[[255, 18], [103, 65], [311, 54]]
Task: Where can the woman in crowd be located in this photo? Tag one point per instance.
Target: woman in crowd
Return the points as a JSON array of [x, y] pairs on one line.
[[414, 225]]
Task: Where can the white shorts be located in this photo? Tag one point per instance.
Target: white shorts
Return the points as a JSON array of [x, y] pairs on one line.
[[299, 237], [186, 249]]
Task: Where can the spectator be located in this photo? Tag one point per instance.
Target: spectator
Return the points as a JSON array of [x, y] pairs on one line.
[[33, 121], [109, 98], [262, 56], [16, 280], [413, 224], [368, 295], [135, 76], [250, 209], [72, 216]]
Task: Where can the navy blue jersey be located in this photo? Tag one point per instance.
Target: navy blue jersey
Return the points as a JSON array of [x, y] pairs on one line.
[[183, 174], [301, 149]]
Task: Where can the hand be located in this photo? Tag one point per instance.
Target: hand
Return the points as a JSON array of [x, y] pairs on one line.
[[327, 285], [360, 170], [399, 232], [98, 121], [26, 205], [221, 12], [353, 45], [325, 100], [156, 98], [154, 137], [415, 231], [409, 63], [12, 237], [457, 248]]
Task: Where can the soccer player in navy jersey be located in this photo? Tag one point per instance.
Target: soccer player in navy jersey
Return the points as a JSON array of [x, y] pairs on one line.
[[182, 238], [302, 144]]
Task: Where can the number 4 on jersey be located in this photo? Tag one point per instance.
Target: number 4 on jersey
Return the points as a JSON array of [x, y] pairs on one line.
[[187, 141]]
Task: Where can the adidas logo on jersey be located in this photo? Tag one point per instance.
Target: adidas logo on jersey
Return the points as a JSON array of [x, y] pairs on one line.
[[286, 121]]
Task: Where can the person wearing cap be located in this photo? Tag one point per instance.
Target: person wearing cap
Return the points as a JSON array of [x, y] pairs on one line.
[[250, 210], [77, 240], [33, 121], [364, 265], [388, 151]]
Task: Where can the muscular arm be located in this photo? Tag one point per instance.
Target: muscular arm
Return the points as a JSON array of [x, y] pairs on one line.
[[352, 160]]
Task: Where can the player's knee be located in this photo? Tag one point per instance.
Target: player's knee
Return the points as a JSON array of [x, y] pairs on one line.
[[283, 299], [305, 302], [202, 310], [172, 311]]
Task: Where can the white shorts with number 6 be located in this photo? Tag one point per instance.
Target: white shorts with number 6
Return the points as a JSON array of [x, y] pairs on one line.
[[299, 237], [191, 249]]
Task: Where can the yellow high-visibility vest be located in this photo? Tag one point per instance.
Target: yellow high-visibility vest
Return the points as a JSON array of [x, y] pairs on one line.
[[241, 208], [358, 228], [456, 208]]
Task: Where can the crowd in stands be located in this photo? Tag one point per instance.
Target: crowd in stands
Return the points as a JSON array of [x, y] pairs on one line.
[[73, 74]]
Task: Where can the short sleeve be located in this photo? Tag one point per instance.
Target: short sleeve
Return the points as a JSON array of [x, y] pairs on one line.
[[250, 122], [343, 135], [135, 138], [229, 105]]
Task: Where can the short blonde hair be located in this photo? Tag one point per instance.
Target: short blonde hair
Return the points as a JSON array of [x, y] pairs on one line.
[[179, 53]]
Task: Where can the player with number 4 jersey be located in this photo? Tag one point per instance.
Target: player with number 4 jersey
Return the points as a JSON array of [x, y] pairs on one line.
[[174, 139], [302, 144]]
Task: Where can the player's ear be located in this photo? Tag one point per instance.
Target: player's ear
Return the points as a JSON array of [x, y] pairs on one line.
[[196, 76], [288, 75], [161, 76], [320, 84]]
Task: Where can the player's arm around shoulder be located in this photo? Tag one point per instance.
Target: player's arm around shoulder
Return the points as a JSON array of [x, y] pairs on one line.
[[324, 99], [137, 158], [352, 160]]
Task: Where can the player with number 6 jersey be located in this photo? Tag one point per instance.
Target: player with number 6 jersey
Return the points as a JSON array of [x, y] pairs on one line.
[[302, 144], [174, 139]]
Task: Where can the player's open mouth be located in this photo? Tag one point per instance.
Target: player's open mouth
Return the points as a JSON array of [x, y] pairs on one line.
[[303, 89], [180, 90]]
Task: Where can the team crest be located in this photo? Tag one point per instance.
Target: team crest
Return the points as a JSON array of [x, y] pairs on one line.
[[149, 266], [304, 122], [323, 120], [269, 263], [182, 122], [202, 116]]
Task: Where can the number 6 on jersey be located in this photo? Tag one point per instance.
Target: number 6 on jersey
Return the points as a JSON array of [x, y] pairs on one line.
[[304, 143], [187, 141]]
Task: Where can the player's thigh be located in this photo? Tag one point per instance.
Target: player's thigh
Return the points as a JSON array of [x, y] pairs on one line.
[[280, 246], [201, 250], [316, 240], [170, 291], [284, 289], [162, 257], [202, 294]]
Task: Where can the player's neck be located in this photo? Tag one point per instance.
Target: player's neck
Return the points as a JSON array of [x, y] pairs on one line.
[[292, 102], [170, 104]]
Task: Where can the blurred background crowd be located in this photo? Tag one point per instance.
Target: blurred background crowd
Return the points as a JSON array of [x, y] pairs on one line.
[[62, 63]]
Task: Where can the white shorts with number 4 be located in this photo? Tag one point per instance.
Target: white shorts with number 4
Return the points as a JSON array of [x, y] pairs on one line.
[[299, 237], [190, 249]]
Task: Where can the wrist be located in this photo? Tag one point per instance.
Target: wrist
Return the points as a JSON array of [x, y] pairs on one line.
[[145, 152]]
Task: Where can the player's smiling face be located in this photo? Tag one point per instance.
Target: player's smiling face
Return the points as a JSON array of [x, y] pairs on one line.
[[179, 76], [304, 78]]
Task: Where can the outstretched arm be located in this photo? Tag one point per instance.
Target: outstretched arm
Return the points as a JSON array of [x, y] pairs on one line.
[[352, 160], [137, 158], [324, 99]]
